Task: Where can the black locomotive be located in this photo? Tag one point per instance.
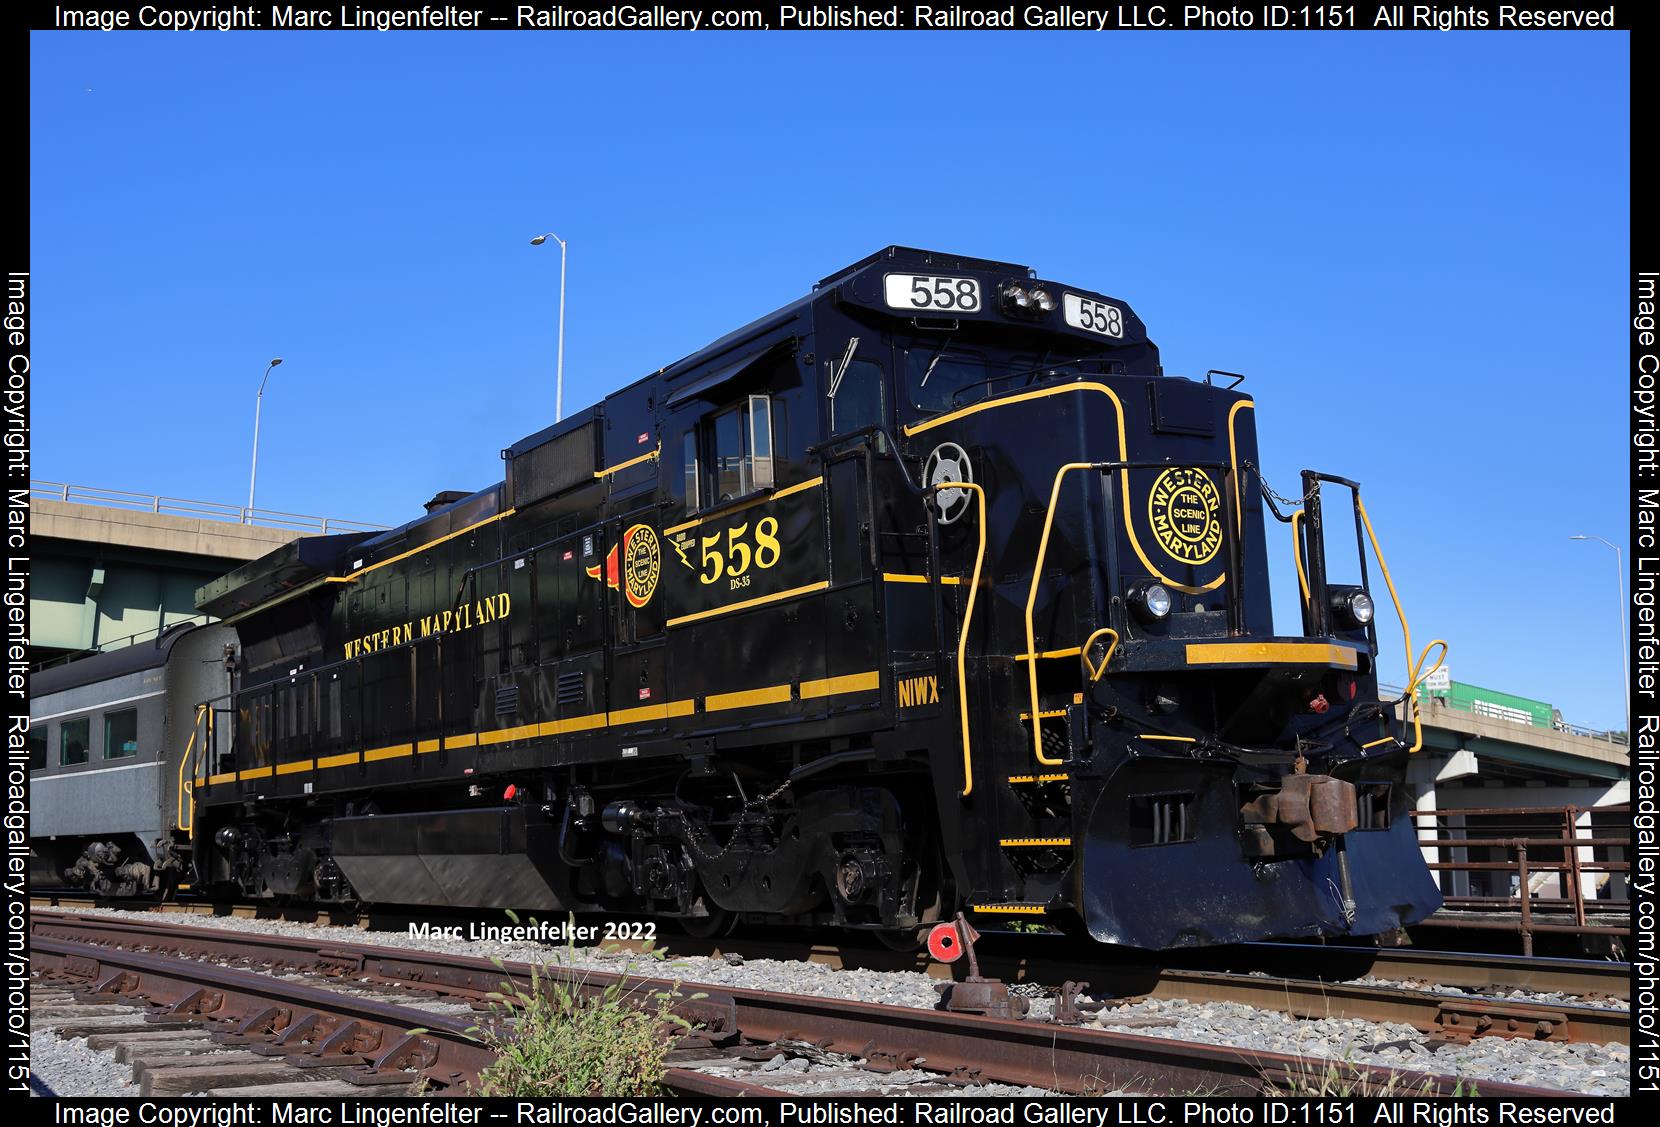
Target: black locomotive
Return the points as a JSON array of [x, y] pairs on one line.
[[928, 592]]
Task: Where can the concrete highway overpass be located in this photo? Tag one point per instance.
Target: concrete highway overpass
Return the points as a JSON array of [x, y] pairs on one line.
[[109, 567]]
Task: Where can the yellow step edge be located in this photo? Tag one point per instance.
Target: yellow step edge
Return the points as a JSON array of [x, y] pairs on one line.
[[1010, 909], [1039, 778], [1048, 714], [1033, 842]]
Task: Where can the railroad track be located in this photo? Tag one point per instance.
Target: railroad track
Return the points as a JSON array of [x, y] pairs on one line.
[[346, 1036], [1043, 959], [1319, 988]]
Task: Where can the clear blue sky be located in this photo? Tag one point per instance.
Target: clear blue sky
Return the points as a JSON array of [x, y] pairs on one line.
[[1414, 244]]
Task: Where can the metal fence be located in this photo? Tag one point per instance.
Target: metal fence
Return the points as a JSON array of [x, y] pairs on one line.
[[201, 510], [1531, 870]]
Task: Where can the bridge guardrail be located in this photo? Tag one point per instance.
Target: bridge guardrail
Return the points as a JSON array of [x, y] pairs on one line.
[[202, 510]]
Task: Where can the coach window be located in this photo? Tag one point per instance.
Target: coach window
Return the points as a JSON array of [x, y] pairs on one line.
[[121, 734], [73, 738], [37, 748]]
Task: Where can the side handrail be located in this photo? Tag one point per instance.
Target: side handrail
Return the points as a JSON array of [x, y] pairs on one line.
[[1095, 671], [1297, 553], [1415, 671], [188, 825], [1031, 605], [968, 619]]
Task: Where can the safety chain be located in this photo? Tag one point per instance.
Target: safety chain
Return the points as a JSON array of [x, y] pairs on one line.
[[767, 798], [1312, 496]]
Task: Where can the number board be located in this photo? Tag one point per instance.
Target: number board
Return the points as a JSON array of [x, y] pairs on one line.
[[1093, 315], [755, 552], [932, 293]]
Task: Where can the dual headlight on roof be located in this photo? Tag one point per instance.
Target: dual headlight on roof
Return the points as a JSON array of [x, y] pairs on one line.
[[1028, 302]]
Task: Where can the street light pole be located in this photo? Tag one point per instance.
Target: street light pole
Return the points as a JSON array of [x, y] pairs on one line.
[[1625, 654], [253, 474], [559, 376]]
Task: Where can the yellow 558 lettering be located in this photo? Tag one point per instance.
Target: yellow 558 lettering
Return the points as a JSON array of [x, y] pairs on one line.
[[730, 554]]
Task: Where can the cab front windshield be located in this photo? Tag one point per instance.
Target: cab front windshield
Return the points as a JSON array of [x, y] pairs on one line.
[[945, 376]]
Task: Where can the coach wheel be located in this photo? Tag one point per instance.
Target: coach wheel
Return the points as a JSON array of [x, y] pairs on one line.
[[949, 462]]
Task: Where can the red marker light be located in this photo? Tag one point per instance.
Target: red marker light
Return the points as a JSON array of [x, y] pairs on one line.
[[1319, 704], [512, 789]]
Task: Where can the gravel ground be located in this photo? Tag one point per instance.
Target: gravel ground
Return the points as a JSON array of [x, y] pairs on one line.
[[1584, 1069], [69, 1068], [1530, 996]]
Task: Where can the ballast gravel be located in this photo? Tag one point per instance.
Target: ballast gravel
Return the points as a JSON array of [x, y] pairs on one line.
[[69, 1068], [1583, 1069], [1601, 1070]]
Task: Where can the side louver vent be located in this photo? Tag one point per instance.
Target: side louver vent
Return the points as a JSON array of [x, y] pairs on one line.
[[569, 689], [507, 700]]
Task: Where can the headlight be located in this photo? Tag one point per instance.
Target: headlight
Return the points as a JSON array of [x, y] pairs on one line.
[[1151, 601], [1018, 297], [1043, 301], [1353, 605]]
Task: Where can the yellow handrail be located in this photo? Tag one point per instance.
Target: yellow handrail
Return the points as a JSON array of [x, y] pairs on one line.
[[1096, 671], [190, 826], [1297, 554], [1031, 607], [1414, 669], [962, 638]]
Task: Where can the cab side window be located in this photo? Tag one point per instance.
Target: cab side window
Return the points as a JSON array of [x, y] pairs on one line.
[[740, 445], [856, 397]]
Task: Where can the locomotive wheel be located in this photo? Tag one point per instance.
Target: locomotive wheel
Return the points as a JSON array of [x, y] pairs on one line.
[[715, 925]]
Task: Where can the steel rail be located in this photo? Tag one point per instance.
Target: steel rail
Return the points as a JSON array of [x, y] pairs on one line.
[[1054, 1057], [1053, 959], [366, 1041]]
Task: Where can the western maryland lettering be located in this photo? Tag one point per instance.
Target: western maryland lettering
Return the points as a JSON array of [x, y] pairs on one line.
[[463, 617]]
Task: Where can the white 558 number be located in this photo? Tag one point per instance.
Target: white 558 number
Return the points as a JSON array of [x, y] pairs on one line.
[[933, 293], [1096, 316]]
